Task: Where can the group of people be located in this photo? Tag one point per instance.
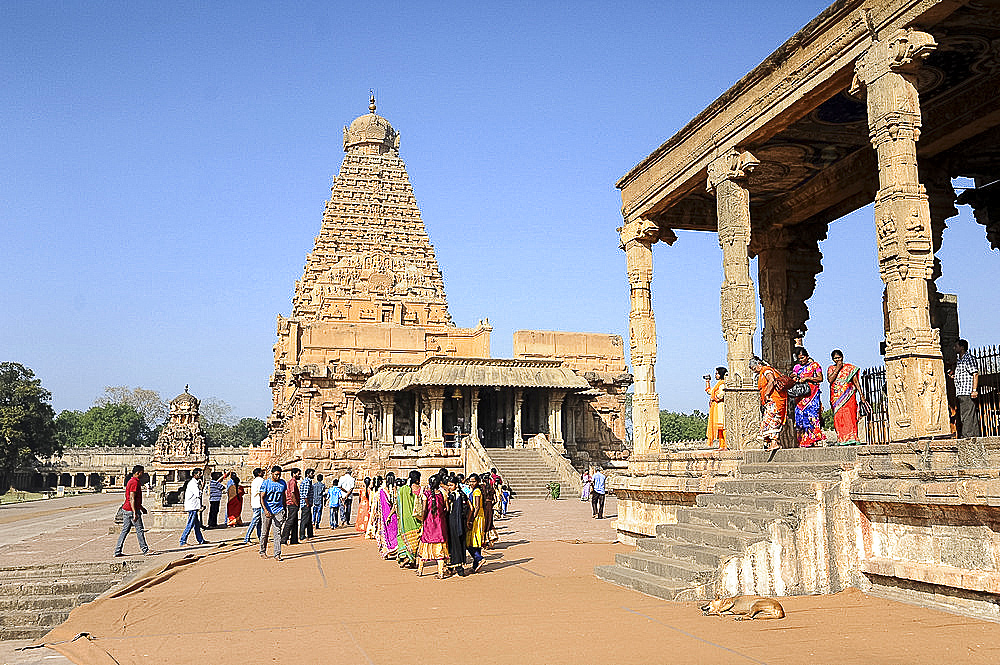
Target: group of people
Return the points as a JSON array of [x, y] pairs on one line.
[[225, 485], [803, 389], [294, 508], [593, 488], [442, 522]]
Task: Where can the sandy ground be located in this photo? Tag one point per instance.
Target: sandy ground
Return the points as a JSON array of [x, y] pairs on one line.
[[537, 601]]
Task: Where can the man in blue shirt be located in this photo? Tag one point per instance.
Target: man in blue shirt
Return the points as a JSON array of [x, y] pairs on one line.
[[272, 502], [319, 498], [597, 495], [334, 502]]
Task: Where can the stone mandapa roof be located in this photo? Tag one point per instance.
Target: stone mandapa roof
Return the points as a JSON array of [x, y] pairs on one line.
[[496, 372]]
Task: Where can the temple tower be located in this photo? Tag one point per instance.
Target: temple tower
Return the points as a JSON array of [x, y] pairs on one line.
[[372, 261]]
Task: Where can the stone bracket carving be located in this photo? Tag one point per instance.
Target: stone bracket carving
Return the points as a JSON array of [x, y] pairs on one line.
[[902, 53], [731, 165]]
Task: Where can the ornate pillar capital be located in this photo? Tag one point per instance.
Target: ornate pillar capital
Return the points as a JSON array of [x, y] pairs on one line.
[[730, 165], [641, 231], [902, 53]]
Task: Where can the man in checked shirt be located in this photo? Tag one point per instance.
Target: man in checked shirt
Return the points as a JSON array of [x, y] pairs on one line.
[[966, 376]]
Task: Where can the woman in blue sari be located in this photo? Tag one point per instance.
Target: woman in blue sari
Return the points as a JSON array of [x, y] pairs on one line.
[[808, 424]]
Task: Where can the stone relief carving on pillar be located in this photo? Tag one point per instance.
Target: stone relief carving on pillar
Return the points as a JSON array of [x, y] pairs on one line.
[[886, 74], [726, 180]]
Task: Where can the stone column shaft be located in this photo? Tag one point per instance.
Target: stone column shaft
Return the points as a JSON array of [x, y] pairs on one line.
[[556, 399], [518, 431], [436, 398], [726, 179], [914, 366], [388, 414], [637, 238], [474, 415]]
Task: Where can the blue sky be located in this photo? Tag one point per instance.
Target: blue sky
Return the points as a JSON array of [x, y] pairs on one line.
[[165, 168]]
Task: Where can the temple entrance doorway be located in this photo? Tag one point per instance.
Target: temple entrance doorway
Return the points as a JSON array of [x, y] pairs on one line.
[[494, 421], [534, 413], [404, 419]]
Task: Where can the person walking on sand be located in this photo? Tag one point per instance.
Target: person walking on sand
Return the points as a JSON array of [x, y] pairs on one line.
[[346, 484], [290, 530], [272, 501], [133, 511], [193, 505], [305, 505], [255, 521], [597, 495]]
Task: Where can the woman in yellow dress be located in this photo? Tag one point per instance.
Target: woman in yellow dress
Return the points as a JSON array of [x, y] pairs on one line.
[[475, 533], [716, 410]]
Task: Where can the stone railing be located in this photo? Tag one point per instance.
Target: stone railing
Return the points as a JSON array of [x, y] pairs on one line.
[[476, 458], [569, 477]]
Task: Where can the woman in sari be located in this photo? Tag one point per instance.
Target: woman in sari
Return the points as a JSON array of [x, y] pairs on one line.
[[489, 506], [434, 528], [585, 483], [716, 412], [234, 507], [845, 388], [374, 514], [773, 402], [475, 533], [364, 507], [458, 513], [388, 532], [406, 554], [808, 425]]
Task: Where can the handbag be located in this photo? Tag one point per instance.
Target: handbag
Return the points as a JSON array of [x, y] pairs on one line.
[[798, 390]]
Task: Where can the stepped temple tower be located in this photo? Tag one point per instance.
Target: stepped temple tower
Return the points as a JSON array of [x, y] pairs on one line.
[[370, 360]]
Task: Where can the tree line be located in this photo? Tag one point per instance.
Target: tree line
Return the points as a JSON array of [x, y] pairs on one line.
[[121, 416]]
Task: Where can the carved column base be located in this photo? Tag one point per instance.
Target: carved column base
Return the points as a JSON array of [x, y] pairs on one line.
[[646, 424], [742, 406], [918, 404]]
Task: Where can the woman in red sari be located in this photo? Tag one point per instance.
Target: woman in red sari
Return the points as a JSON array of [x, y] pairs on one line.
[[808, 427], [234, 507], [845, 388]]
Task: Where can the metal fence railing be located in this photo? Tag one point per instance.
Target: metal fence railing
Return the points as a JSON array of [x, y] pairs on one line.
[[874, 387]]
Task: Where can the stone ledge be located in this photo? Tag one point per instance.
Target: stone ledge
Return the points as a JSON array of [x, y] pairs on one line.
[[974, 491], [959, 578]]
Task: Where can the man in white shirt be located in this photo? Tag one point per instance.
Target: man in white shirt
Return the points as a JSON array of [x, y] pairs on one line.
[[346, 485], [258, 480], [193, 505]]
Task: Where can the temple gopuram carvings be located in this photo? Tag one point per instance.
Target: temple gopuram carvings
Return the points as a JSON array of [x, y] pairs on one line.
[[359, 366]]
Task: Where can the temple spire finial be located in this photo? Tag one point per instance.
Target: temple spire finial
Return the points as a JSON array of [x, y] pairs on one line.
[[371, 102]]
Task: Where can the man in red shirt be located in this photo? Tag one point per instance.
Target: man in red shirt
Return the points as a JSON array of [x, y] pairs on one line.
[[133, 511], [290, 531]]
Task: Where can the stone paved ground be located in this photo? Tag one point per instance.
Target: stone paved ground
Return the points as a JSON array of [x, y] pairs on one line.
[[536, 602]]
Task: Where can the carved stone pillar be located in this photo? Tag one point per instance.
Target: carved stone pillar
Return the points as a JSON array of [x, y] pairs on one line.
[[571, 422], [556, 398], [436, 398], [726, 179], [474, 414], [914, 367], [518, 403], [637, 238], [388, 416], [772, 276], [943, 306]]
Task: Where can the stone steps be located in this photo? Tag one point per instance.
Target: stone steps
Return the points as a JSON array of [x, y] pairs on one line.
[[690, 559], [525, 470], [35, 599]]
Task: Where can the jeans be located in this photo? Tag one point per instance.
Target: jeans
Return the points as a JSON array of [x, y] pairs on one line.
[[346, 503], [194, 521], [305, 522], [140, 532], [255, 522], [213, 514], [334, 517], [317, 514], [597, 501], [278, 519], [290, 530]]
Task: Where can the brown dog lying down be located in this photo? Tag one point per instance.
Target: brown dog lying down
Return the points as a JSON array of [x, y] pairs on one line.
[[745, 607]]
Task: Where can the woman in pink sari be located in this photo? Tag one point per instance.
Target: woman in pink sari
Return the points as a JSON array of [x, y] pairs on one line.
[[433, 544], [388, 536], [845, 388], [808, 427]]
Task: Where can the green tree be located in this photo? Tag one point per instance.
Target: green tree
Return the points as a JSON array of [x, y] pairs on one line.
[[147, 403], [68, 427], [27, 420], [682, 426], [249, 432], [112, 425]]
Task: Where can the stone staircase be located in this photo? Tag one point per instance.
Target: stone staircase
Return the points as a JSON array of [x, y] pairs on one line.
[[744, 536], [525, 470], [36, 599]]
